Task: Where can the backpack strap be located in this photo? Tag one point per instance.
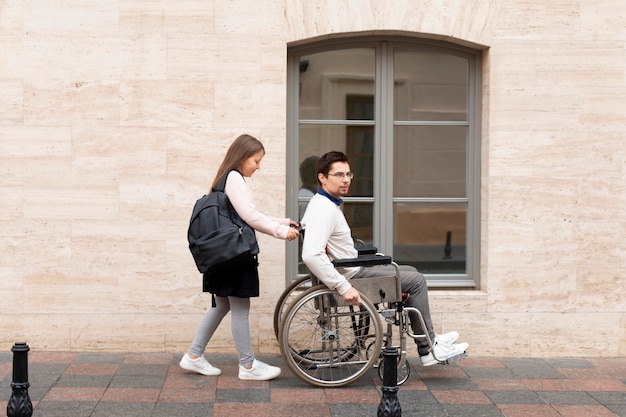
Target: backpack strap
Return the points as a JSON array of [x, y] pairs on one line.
[[221, 185], [224, 201]]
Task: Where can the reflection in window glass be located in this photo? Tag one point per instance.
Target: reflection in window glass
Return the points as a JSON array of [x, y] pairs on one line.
[[431, 236], [359, 217], [430, 161], [357, 142], [326, 78], [430, 85]]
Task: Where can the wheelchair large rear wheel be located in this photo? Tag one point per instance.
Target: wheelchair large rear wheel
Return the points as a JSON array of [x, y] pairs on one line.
[[327, 343], [292, 292]]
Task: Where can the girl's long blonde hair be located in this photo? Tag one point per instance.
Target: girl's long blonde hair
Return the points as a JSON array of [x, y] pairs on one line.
[[241, 149]]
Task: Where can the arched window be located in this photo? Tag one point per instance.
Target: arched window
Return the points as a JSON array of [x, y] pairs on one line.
[[407, 113]]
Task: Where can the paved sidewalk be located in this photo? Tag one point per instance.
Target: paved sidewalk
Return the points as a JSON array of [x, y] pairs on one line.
[[65, 384]]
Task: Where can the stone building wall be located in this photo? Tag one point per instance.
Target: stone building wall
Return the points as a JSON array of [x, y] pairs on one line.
[[114, 115]]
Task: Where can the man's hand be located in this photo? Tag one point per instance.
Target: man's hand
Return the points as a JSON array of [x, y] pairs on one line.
[[292, 234], [352, 296]]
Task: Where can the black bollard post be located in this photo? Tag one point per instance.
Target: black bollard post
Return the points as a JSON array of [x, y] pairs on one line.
[[389, 405], [19, 404]]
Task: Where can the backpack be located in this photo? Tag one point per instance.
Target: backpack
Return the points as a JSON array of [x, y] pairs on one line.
[[217, 236]]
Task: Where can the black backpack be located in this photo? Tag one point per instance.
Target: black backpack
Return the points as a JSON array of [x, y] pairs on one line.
[[217, 236]]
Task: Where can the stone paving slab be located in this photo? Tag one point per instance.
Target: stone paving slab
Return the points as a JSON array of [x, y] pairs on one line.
[[67, 384]]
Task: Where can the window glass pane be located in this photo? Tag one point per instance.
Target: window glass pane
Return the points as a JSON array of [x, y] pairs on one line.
[[430, 161], [430, 86], [360, 218], [357, 142], [431, 236], [328, 78]]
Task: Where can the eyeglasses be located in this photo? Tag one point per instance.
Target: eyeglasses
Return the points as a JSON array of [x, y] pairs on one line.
[[342, 175]]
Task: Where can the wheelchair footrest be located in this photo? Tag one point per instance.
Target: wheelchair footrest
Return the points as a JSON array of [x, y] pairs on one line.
[[454, 359]]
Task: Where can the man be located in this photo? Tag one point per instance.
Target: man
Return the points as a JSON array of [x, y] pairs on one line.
[[329, 237]]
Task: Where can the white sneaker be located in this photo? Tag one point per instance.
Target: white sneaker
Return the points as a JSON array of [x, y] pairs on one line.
[[443, 353], [447, 338], [259, 372], [200, 366]]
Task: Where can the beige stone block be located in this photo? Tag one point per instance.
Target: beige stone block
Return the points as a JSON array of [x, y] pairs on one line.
[[110, 57], [249, 106], [528, 289], [602, 109], [193, 157], [237, 60], [508, 159], [190, 16], [12, 202], [622, 335], [40, 332], [162, 293], [37, 56], [600, 289], [597, 244], [35, 143], [583, 165], [12, 13], [12, 289], [509, 241], [249, 18], [574, 335], [576, 64], [142, 198], [454, 302], [554, 246], [141, 151], [193, 56], [42, 243], [57, 289], [602, 20], [127, 250], [532, 20], [492, 334], [11, 102], [166, 104], [72, 203], [119, 332], [70, 16], [71, 103]]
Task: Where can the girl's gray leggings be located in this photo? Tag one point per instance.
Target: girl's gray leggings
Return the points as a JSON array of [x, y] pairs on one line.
[[240, 327]]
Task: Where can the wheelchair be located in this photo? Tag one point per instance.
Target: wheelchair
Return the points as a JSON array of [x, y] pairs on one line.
[[327, 342]]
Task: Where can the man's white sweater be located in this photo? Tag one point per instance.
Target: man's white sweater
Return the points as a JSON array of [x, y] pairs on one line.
[[327, 236]]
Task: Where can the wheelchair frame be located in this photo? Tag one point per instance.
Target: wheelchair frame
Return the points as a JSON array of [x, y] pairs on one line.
[[329, 343]]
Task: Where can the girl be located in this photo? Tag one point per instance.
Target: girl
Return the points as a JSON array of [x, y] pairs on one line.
[[234, 286]]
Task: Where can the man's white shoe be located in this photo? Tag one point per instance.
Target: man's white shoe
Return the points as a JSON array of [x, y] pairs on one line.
[[259, 372], [200, 366], [443, 352], [447, 338]]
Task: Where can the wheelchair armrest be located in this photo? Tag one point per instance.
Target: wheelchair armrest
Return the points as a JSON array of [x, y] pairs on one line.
[[367, 250], [362, 261]]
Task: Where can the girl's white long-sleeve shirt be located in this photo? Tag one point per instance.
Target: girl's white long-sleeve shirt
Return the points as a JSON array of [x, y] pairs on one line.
[[241, 197], [327, 236]]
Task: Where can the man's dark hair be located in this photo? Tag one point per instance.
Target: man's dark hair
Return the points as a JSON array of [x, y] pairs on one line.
[[327, 160]]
